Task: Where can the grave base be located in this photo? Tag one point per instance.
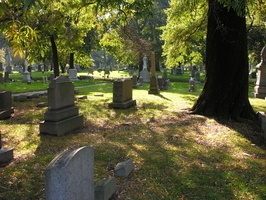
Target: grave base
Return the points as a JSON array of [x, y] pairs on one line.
[[6, 155], [5, 114], [259, 95], [60, 114], [62, 127], [124, 105]]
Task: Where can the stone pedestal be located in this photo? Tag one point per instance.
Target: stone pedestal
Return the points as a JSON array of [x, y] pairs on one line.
[[73, 75], [260, 88], [122, 94], [62, 115], [26, 77]]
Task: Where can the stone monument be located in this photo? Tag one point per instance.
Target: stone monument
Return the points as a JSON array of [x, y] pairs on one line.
[[5, 104], [26, 74], [145, 74], [6, 154], [154, 89], [70, 176], [192, 86], [72, 74], [122, 94], [260, 88], [62, 115]]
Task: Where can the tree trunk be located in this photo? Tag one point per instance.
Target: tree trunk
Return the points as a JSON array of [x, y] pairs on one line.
[[71, 61], [55, 56], [225, 93]]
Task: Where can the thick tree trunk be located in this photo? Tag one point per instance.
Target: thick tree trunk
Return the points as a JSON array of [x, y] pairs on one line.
[[71, 61], [55, 56], [225, 93]]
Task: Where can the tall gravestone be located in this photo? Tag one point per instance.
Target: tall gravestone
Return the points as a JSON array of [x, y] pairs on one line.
[[70, 176], [62, 115], [260, 88], [122, 94], [154, 89], [6, 104], [145, 74], [26, 74]]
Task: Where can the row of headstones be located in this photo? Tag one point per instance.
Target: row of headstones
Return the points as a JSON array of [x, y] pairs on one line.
[[70, 176]]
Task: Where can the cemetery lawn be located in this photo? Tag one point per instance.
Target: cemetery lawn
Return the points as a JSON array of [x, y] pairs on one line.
[[176, 155]]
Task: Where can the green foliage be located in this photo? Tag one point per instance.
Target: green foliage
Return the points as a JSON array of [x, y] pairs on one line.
[[184, 33]]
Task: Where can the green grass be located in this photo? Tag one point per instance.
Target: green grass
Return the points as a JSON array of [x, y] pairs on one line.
[[176, 155]]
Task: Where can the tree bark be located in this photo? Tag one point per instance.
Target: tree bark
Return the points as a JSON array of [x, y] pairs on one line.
[[71, 61], [55, 56], [225, 93]]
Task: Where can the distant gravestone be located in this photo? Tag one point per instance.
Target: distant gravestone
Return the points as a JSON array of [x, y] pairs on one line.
[[260, 88], [145, 74], [72, 75], [5, 104], [135, 82], [70, 176], [2, 78], [122, 94], [6, 78], [90, 71], [6, 154], [62, 115], [192, 86]]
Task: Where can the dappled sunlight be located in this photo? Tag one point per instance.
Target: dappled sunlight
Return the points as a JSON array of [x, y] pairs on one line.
[[202, 157]]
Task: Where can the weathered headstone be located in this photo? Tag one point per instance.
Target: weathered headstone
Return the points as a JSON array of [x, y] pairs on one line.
[[192, 86], [62, 115], [154, 89], [135, 83], [145, 74], [70, 176], [122, 94], [72, 75], [6, 104], [123, 169], [6, 154], [105, 189], [260, 88]]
